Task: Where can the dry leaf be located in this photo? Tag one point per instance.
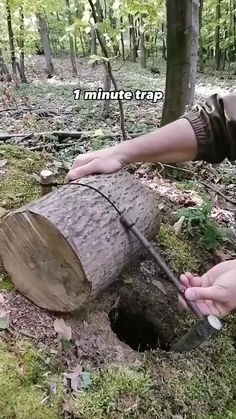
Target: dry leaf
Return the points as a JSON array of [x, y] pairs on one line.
[[3, 212], [3, 163], [4, 323], [178, 225], [74, 378], [222, 256], [64, 331], [159, 285]]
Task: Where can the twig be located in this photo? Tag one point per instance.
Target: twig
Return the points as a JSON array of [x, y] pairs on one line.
[[207, 185], [65, 134], [37, 110]]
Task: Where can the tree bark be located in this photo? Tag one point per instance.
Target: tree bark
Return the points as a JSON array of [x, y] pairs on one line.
[[122, 40], [217, 36], [133, 44], [93, 44], [194, 51], [22, 47], [3, 66], [11, 37], [43, 28], [163, 42], [143, 60], [201, 55], [71, 40], [178, 59], [65, 248], [106, 88]]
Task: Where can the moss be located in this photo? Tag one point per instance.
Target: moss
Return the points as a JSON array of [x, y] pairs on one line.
[[200, 384], [115, 392], [18, 185], [24, 384], [5, 282], [179, 252]]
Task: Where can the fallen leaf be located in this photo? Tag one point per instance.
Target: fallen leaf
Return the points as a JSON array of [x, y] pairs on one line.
[[85, 380], [178, 225], [159, 285], [2, 298], [4, 323], [222, 256], [53, 388], [3, 212], [3, 163], [74, 377], [64, 331], [68, 405]]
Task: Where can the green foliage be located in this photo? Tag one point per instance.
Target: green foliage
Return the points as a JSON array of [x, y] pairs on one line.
[[114, 390], [179, 252], [198, 224]]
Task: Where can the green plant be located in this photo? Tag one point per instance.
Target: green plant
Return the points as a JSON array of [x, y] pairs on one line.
[[199, 225]]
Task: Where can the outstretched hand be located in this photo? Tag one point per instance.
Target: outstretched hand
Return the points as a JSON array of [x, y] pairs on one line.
[[215, 291], [102, 161]]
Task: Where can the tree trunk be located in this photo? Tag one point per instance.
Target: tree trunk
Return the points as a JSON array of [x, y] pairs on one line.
[[82, 42], [194, 51], [163, 42], [201, 55], [178, 59], [143, 60], [106, 88], [22, 47], [71, 40], [43, 28], [122, 39], [133, 46], [217, 36], [3, 66], [11, 37], [93, 44], [68, 246]]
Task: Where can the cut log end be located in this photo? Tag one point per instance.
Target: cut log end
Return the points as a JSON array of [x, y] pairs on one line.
[[42, 264]]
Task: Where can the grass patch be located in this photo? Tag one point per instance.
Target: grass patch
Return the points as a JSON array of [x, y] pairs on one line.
[[25, 384]]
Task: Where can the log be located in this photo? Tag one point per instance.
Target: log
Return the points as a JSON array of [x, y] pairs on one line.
[[63, 249]]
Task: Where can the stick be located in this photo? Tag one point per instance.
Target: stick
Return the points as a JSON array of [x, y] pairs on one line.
[[65, 134], [46, 180]]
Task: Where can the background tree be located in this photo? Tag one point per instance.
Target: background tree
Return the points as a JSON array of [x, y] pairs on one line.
[[179, 21]]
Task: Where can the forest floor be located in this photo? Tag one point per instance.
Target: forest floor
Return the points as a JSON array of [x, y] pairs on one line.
[[90, 365]]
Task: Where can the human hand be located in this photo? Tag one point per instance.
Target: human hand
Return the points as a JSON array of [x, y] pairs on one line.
[[214, 292], [102, 161]]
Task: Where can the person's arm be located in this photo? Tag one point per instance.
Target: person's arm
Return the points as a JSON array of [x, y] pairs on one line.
[[207, 133]]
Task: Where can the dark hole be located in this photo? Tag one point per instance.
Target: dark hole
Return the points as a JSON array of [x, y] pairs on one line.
[[137, 331]]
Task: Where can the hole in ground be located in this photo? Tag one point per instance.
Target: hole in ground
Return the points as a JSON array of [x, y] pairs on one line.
[[134, 327]]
